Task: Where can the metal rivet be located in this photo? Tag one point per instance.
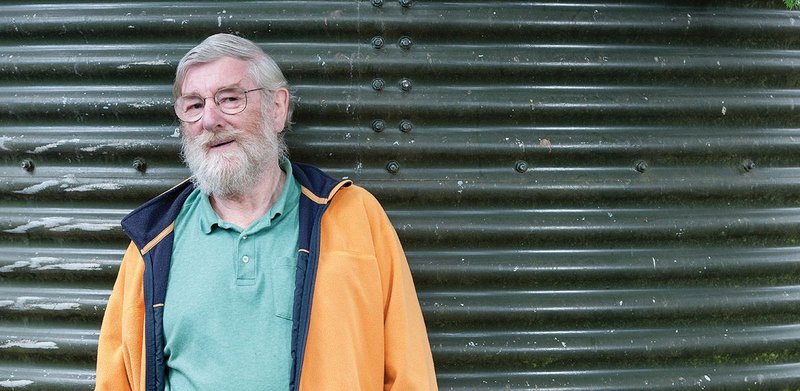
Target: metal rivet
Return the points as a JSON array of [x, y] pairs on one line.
[[748, 164], [378, 84], [377, 42], [393, 167], [406, 126], [27, 165], [405, 3], [641, 166], [140, 165], [378, 125], [377, 3], [521, 166], [405, 43], [405, 84]]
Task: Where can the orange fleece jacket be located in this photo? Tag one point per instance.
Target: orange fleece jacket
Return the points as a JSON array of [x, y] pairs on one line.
[[366, 330]]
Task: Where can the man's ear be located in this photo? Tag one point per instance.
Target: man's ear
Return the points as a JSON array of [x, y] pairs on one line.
[[280, 108]]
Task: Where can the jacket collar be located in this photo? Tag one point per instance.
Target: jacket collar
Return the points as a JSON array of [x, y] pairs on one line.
[[151, 222]]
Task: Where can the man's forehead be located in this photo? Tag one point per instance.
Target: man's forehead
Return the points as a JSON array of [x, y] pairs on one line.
[[212, 76]]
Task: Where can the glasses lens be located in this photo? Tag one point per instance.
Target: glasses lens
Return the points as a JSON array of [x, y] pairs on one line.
[[231, 100], [189, 107]]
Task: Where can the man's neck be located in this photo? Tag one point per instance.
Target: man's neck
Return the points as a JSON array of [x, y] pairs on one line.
[[244, 209]]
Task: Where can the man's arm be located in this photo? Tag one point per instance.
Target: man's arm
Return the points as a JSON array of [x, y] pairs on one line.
[[119, 351], [408, 360]]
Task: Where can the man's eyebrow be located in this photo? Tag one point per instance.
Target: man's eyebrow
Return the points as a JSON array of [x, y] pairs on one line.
[[232, 85], [237, 84]]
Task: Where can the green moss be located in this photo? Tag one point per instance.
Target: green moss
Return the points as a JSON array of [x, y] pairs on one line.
[[765, 358]]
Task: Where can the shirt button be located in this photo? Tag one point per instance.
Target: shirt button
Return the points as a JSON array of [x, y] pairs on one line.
[[244, 237], [245, 259]]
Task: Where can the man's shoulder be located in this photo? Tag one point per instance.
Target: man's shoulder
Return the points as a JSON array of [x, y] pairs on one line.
[[152, 217], [169, 199], [355, 195], [355, 204]]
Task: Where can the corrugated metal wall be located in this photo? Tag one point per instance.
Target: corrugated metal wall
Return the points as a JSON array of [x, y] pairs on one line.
[[598, 196]]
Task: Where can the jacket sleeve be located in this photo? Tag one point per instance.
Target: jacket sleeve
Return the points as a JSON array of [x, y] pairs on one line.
[[119, 352], [408, 361]]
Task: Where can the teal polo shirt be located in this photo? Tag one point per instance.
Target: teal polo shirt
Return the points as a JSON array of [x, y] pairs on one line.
[[230, 293]]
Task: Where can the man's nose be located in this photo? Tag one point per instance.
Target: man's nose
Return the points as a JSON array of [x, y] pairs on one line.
[[212, 116]]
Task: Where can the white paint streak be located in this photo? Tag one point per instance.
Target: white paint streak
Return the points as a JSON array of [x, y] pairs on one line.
[[46, 222], [122, 144], [15, 383], [22, 300], [51, 263], [3, 140], [147, 63], [92, 227], [39, 187], [96, 147], [65, 183], [66, 180], [140, 105], [57, 306], [29, 344], [16, 265], [37, 260], [75, 266], [53, 145], [28, 302], [156, 62], [96, 186]]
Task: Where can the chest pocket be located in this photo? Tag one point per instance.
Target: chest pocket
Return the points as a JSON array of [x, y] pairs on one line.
[[282, 275]]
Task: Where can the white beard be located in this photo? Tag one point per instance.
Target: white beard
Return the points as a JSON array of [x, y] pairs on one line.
[[232, 173]]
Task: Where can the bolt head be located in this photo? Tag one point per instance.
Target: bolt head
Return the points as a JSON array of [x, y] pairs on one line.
[[406, 126], [405, 3], [641, 166], [140, 165], [378, 125], [377, 3], [405, 43], [521, 166], [27, 165], [377, 42], [748, 164], [378, 84], [393, 167], [405, 85]]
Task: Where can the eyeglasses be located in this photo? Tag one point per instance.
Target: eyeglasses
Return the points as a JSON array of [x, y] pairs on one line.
[[189, 108]]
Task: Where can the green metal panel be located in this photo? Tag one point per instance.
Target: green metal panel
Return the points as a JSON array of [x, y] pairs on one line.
[[592, 196]]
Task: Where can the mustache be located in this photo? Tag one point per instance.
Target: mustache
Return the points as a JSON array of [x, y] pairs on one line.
[[207, 139]]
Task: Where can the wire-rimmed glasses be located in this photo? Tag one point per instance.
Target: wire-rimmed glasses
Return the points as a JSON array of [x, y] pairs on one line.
[[230, 100]]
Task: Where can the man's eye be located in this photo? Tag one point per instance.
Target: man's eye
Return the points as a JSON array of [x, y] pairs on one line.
[[229, 99], [194, 106]]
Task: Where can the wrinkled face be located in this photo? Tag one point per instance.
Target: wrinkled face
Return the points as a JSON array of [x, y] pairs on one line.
[[227, 153]]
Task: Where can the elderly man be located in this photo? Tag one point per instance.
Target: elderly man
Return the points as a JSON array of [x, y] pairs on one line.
[[258, 273]]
